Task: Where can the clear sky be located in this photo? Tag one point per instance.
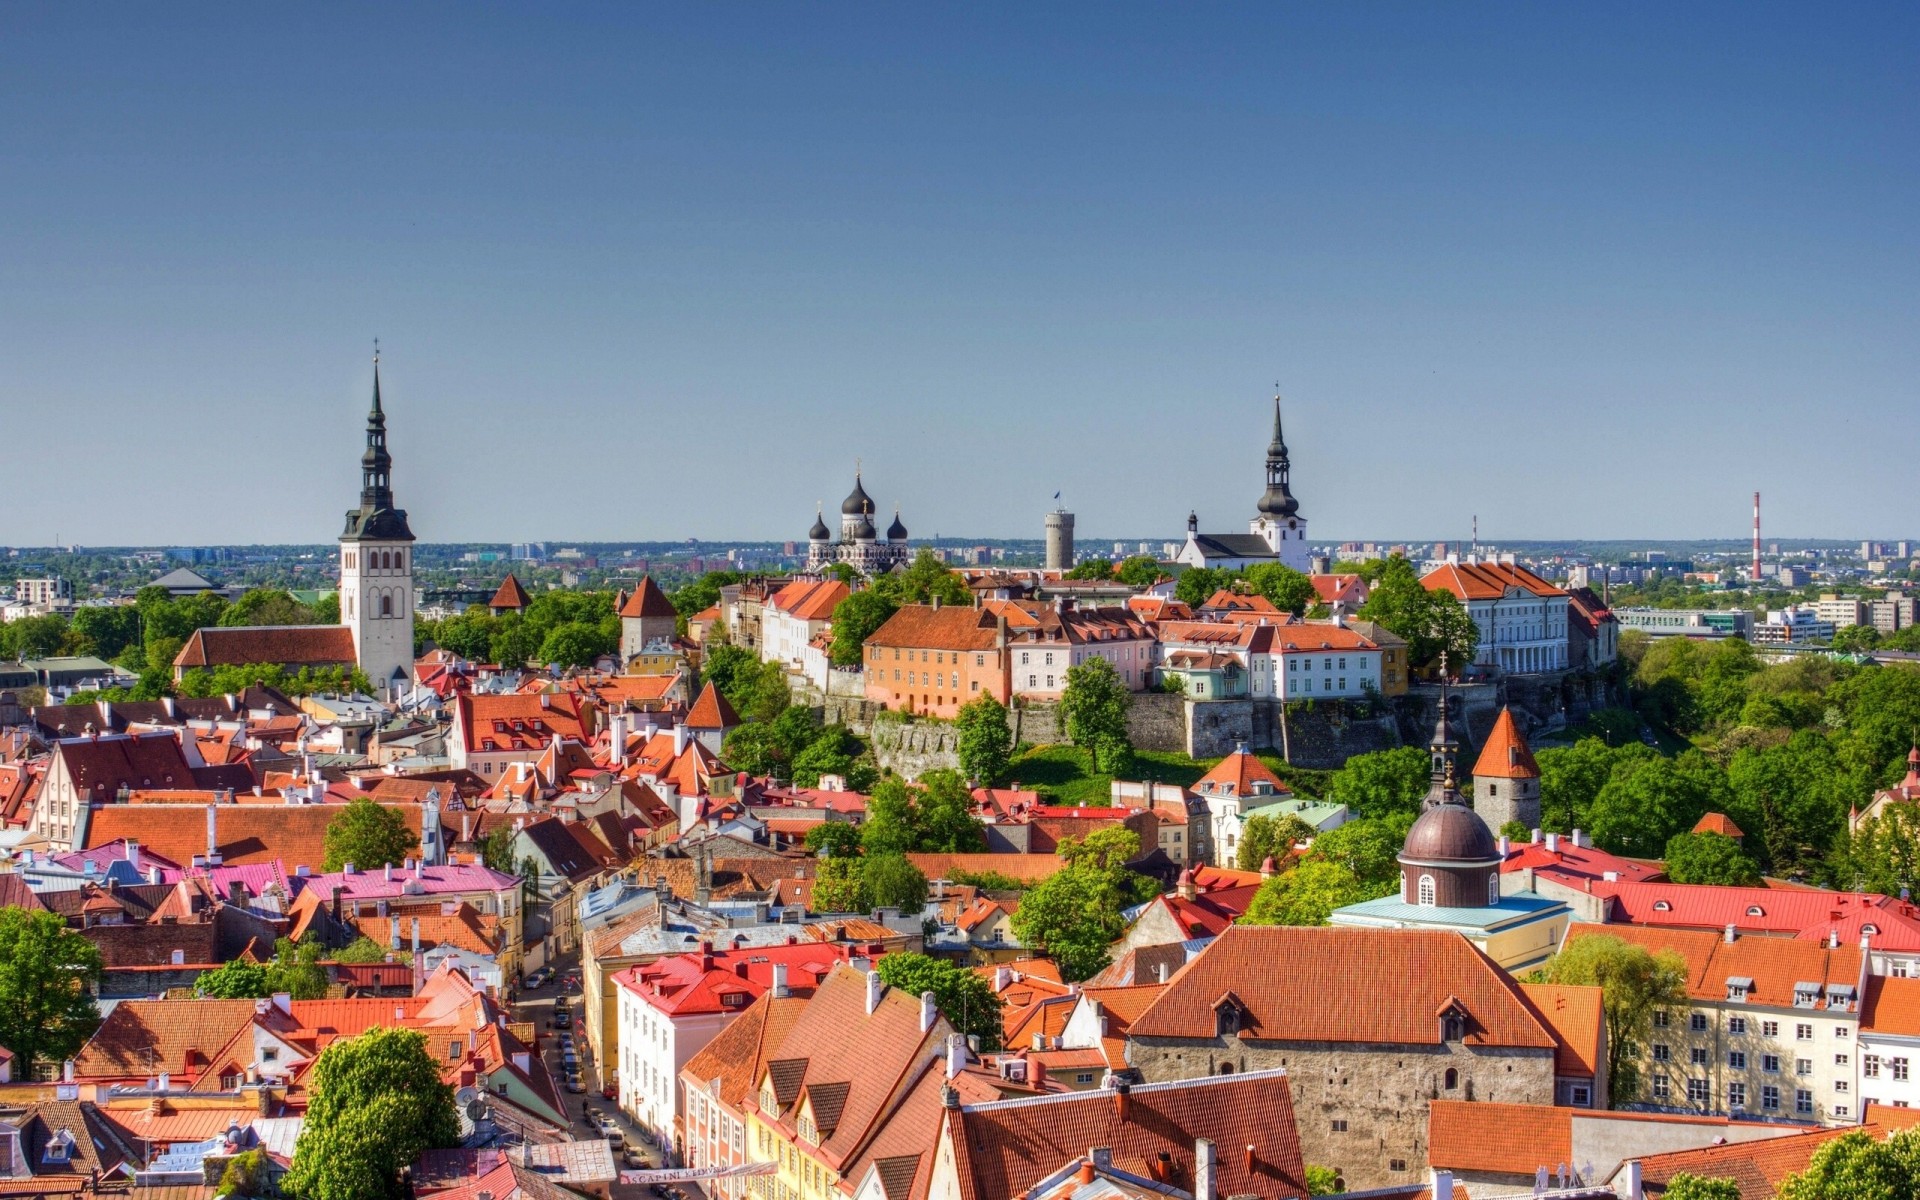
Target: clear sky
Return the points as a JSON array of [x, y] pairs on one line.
[[657, 271]]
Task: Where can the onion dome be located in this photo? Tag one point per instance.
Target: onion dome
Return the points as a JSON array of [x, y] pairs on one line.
[[819, 532], [857, 503], [1278, 499], [863, 532], [896, 532]]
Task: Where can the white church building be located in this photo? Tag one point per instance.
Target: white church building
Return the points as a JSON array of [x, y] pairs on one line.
[[1277, 533]]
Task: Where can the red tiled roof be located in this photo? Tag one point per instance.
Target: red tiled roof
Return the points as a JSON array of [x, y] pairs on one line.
[[1506, 754], [1719, 823], [1027, 868], [1346, 985], [1507, 1139], [809, 600], [1236, 775], [1239, 602], [1574, 865], [490, 724], [1486, 581], [648, 600], [1004, 1148], [510, 594], [293, 645], [1891, 1006], [1758, 1168], [1774, 964], [99, 767], [1802, 913], [948, 627], [1577, 1020], [245, 833], [711, 711]]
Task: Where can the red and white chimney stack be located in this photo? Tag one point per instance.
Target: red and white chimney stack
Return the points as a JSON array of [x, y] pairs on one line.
[[1756, 539]]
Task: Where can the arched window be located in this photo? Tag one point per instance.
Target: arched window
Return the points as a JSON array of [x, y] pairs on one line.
[[1453, 1078], [1426, 891], [1493, 888], [1226, 1068], [386, 606]]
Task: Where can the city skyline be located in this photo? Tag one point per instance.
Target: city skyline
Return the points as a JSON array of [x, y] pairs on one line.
[[1585, 278]]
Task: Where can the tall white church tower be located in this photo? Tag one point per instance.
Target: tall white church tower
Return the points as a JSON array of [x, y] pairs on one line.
[[376, 566], [1280, 524]]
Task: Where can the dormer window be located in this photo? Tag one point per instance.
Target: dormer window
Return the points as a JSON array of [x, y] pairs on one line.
[[1738, 988], [1662, 906], [1870, 930], [1806, 995], [1754, 910], [767, 1102], [59, 1148], [807, 1132], [1453, 1027]]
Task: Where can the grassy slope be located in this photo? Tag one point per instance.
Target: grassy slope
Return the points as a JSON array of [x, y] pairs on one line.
[[1065, 775]]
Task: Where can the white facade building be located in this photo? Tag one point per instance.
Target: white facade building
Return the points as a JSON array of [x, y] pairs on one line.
[[1277, 533], [1522, 618]]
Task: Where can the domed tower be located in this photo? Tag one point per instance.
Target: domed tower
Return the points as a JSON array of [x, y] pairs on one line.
[[819, 541], [1279, 521], [896, 539], [856, 511], [1450, 859]]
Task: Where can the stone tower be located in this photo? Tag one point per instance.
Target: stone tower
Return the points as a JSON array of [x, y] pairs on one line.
[[1506, 780], [376, 565], [1059, 540]]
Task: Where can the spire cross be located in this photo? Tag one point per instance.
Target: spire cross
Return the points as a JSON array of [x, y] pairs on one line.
[[376, 350]]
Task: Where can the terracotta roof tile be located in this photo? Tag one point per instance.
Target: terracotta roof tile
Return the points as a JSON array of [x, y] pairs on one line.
[[1774, 964], [293, 645], [1237, 774], [648, 600], [1508, 1139], [1719, 823], [295, 834], [510, 594], [1891, 1006], [1577, 1019], [946, 628], [1486, 581], [711, 711], [1345, 985], [1506, 754]]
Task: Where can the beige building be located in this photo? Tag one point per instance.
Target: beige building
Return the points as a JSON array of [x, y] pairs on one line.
[[1770, 1029]]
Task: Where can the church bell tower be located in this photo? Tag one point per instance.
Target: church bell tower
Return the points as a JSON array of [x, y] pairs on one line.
[[376, 566]]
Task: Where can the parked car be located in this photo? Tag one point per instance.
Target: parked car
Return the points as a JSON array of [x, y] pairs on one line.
[[539, 978], [633, 1158], [609, 1093], [575, 1086], [562, 1019]]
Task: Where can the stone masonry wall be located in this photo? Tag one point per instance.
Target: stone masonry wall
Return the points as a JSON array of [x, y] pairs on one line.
[[1324, 736], [1379, 1091]]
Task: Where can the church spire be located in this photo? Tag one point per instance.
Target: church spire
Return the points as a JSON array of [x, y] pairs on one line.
[[376, 518], [1278, 500]]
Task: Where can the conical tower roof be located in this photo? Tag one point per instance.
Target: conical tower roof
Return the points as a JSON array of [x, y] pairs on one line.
[[1506, 754], [648, 601], [511, 595]]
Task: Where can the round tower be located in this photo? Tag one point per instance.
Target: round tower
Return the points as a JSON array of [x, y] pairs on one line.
[[1059, 540], [1506, 780], [1450, 859]]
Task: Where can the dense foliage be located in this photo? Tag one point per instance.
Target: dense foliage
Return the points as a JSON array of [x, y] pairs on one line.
[[377, 1101], [568, 628], [983, 740], [1634, 983], [1093, 711], [47, 976], [369, 835], [1074, 914], [964, 998], [1348, 864]]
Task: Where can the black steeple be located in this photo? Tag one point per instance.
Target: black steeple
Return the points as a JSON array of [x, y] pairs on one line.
[[1278, 501], [376, 519]]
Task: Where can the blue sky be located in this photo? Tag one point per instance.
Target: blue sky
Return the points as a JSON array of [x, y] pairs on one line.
[[662, 271]]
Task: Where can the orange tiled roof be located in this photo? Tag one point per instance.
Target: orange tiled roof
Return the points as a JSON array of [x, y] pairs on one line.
[[1775, 964], [294, 645], [511, 594], [490, 724], [809, 600], [1486, 581], [711, 711], [1719, 823], [140, 1038], [1345, 985], [1027, 868], [1506, 754], [921, 626], [245, 834], [1236, 775], [1577, 1020], [1891, 1006], [648, 600], [1508, 1139], [1758, 1168]]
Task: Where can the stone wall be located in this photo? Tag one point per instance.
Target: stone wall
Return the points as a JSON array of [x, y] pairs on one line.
[[1380, 1092], [910, 749], [1323, 736]]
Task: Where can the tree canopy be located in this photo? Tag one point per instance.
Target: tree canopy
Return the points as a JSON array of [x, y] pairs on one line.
[[1635, 983], [1075, 913], [1709, 858], [964, 998], [1382, 782], [983, 739], [1093, 710], [47, 973], [369, 835], [376, 1101], [1430, 621]]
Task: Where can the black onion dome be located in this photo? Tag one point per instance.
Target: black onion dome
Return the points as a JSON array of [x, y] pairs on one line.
[[896, 532], [857, 503], [819, 532]]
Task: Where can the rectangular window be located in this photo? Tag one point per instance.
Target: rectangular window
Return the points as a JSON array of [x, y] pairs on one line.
[[1769, 1098], [1841, 1085], [1803, 1033], [1770, 1029], [1697, 1092], [1870, 1066], [1841, 1110], [1736, 1024], [1736, 1095], [1662, 1018], [1697, 1056], [1698, 1021], [1769, 1062], [1662, 1089], [1581, 1096], [1803, 1066], [1662, 1052], [1898, 1067], [1339, 1126], [1737, 1060], [1840, 1060]]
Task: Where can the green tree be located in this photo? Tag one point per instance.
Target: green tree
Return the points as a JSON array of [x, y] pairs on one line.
[[839, 885], [1687, 1186], [1571, 778], [1368, 848], [1305, 895], [266, 606], [1430, 621], [834, 839], [925, 580], [1139, 571], [496, 850], [944, 819], [854, 621], [1070, 915], [1635, 983], [236, 980], [574, 644], [1323, 1181], [1285, 588], [35, 637], [361, 950], [965, 999], [111, 629], [1195, 584], [1093, 568], [1709, 858], [1855, 1167], [892, 825], [1262, 837], [1648, 800], [369, 835], [983, 739], [296, 970], [377, 1101], [1093, 709], [47, 973], [830, 753], [1382, 782], [893, 882], [1883, 854], [248, 1174]]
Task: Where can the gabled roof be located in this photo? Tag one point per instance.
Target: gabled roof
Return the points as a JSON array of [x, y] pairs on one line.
[[1573, 865], [1891, 1006], [100, 766], [648, 600], [1346, 985], [1775, 965], [1005, 1147], [1486, 581], [1506, 754], [809, 600], [1505, 1139], [518, 721], [922, 626], [294, 645], [711, 711], [1720, 823], [245, 834], [140, 1038], [738, 1054], [1027, 868], [510, 594], [1226, 599], [1232, 545], [1803, 913]]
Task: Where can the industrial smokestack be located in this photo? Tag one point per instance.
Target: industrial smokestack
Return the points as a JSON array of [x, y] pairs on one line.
[[1756, 539]]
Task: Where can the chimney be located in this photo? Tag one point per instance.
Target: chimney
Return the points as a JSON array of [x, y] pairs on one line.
[[1732, 932], [956, 1052], [1553, 843], [416, 936], [1122, 1100], [1086, 1165], [1252, 1158], [780, 989], [284, 1002], [133, 855], [166, 1082], [388, 873], [213, 835], [1633, 1187], [680, 736], [336, 902], [617, 739], [1580, 841], [929, 1011], [1002, 976], [66, 1071], [1505, 846], [1161, 971], [1536, 837], [1443, 1185], [1037, 1075], [1205, 1171], [875, 989]]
